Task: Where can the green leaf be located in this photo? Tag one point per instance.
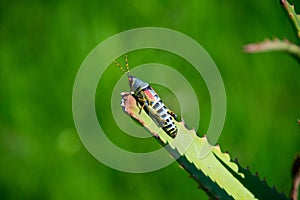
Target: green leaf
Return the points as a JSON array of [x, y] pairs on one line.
[[273, 45], [293, 16], [214, 171]]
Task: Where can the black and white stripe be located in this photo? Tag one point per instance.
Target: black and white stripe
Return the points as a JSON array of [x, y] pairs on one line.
[[169, 127]]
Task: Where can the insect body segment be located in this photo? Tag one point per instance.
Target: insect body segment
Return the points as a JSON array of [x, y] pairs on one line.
[[162, 114], [149, 100]]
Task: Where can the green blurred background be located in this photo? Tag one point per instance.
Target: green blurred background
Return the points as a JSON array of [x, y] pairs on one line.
[[42, 44]]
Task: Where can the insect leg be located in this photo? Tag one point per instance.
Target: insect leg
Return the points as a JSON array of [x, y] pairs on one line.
[[160, 122], [141, 100], [141, 108], [144, 101]]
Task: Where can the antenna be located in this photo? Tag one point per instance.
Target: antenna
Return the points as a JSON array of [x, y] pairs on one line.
[[122, 68], [127, 66]]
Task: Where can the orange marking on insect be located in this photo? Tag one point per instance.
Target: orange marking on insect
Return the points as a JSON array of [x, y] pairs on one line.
[[149, 95]]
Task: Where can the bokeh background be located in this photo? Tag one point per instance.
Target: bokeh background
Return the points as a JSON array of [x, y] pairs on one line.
[[43, 43]]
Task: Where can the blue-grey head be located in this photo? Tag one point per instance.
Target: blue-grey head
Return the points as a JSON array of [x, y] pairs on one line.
[[135, 84]]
